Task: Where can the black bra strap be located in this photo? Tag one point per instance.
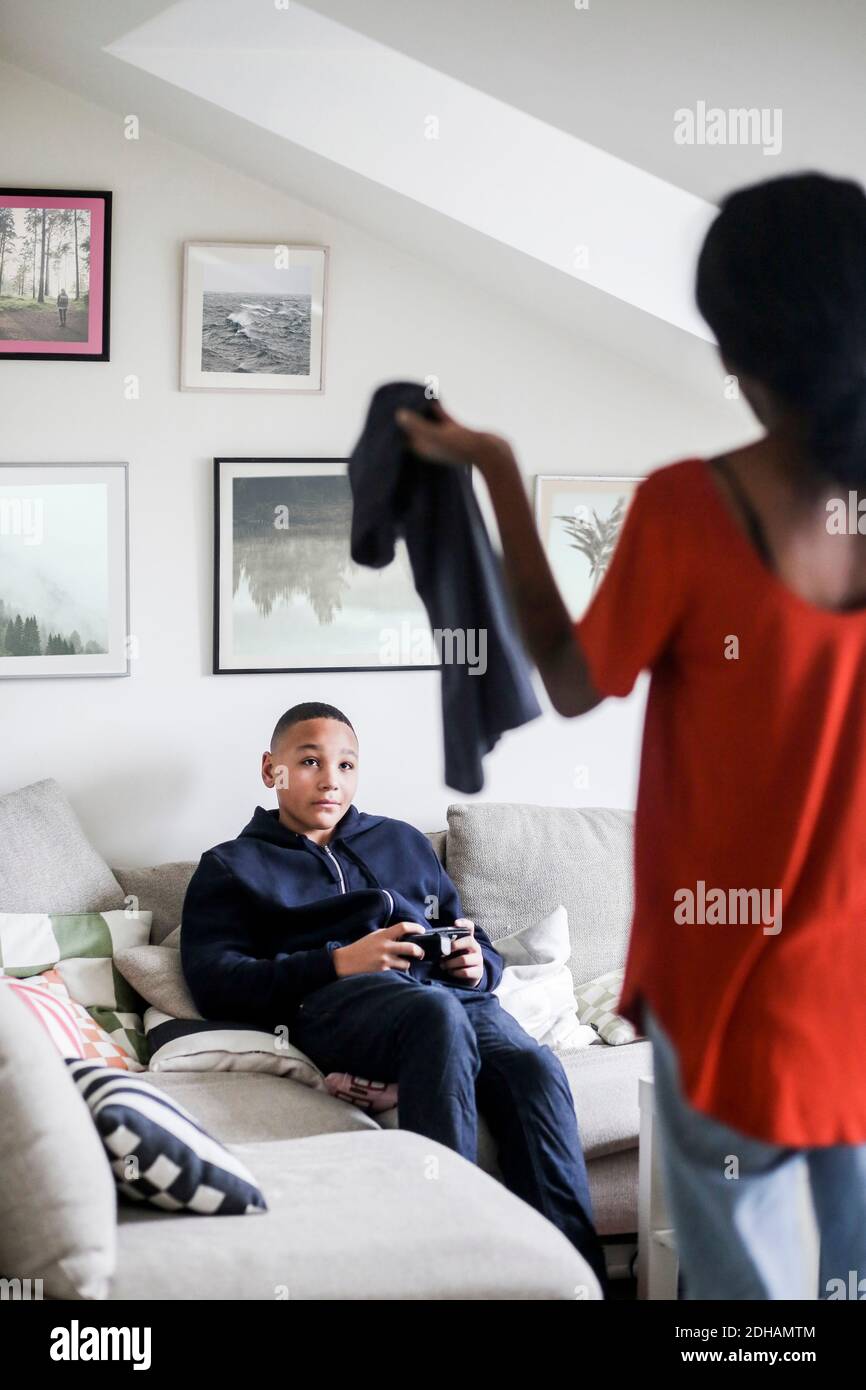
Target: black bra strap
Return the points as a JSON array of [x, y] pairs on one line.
[[755, 525]]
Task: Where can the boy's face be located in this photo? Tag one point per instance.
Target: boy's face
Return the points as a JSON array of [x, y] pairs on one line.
[[314, 771]]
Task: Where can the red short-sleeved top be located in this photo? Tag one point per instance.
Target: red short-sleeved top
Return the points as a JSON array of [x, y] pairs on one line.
[[753, 777]]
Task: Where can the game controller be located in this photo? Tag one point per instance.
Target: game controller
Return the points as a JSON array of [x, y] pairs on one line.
[[436, 941]]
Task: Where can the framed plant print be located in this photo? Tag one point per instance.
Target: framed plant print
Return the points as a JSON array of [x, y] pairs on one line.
[[55, 274], [64, 585], [253, 317], [287, 594], [579, 521]]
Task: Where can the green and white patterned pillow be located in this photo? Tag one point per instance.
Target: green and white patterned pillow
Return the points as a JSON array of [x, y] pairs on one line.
[[81, 948], [597, 1002]]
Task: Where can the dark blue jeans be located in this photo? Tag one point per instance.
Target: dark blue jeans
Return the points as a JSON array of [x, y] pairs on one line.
[[454, 1051]]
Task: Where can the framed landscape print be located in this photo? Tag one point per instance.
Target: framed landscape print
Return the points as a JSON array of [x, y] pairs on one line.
[[253, 317], [287, 594], [55, 263], [64, 590], [579, 521]]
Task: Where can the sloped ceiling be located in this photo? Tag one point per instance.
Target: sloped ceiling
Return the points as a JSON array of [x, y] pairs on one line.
[[552, 176]]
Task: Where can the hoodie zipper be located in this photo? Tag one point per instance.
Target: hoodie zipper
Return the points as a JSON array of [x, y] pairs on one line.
[[343, 883], [339, 870]]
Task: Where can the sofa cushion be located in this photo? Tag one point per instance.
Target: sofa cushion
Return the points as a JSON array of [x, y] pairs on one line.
[[79, 948], [580, 858], [597, 1003], [155, 972], [160, 889], [361, 1216], [237, 1107], [57, 1199], [604, 1083], [47, 863], [71, 1028], [185, 1044], [159, 1153], [536, 985]]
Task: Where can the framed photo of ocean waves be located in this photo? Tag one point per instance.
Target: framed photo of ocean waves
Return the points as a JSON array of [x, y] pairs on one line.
[[253, 317]]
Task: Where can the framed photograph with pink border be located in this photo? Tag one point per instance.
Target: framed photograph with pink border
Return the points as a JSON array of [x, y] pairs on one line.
[[55, 274]]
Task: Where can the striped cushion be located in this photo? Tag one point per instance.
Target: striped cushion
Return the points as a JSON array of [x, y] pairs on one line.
[[68, 1024], [186, 1044], [158, 1151], [80, 947]]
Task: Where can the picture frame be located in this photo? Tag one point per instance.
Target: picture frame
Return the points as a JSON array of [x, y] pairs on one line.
[[253, 317], [582, 515], [55, 243], [287, 593], [64, 570]]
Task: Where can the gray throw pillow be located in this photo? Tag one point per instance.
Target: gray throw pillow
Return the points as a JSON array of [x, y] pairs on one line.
[[155, 973], [508, 860], [47, 863]]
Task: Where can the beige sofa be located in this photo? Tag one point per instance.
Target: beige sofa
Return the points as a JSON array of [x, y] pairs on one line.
[[357, 1208], [343, 1168]]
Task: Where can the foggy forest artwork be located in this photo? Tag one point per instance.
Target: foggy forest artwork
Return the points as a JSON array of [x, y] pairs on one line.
[[61, 590], [54, 581]]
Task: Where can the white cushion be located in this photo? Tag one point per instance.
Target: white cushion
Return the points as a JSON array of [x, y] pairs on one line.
[[536, 985]]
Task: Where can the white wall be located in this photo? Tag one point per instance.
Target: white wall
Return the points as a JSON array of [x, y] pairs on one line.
[[165, 763]]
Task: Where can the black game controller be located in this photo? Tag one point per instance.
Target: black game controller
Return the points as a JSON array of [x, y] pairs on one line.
[[436, 941]]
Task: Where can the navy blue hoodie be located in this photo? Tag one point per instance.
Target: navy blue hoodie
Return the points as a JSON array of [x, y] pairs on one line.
[[263, 913]]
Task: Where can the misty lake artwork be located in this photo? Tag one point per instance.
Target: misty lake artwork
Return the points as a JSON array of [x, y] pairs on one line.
[[260, 333], [290, 597]]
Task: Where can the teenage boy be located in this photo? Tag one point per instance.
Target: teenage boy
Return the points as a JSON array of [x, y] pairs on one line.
[[310, 919]]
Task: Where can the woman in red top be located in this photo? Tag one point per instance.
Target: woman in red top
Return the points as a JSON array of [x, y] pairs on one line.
[[740, 584]]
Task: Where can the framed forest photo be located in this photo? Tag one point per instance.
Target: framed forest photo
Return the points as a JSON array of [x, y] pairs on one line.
[[253, 317], [287, 594], [55, 274], [64, 590], [579, 521]]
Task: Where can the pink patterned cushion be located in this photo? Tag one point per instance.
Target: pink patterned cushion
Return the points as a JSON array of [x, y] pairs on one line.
[[68, 1024]]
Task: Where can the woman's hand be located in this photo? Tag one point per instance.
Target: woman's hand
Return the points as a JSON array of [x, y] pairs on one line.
[[443, 440]]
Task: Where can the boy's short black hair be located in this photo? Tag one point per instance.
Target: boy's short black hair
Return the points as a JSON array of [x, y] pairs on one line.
[[310, 709]]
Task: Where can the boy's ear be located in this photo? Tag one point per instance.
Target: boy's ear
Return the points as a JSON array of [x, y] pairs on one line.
[[267, 768]]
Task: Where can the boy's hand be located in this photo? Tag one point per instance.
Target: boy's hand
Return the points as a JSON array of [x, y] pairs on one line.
[[384, 949], [465, 962]]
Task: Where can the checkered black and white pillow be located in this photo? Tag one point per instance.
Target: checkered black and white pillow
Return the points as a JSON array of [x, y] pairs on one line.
[[158, 1151]]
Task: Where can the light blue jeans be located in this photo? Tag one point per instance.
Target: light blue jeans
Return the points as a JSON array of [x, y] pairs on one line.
[[739, 1237]]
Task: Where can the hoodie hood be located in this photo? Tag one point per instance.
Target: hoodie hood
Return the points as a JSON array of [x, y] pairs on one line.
[[266, 825]]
